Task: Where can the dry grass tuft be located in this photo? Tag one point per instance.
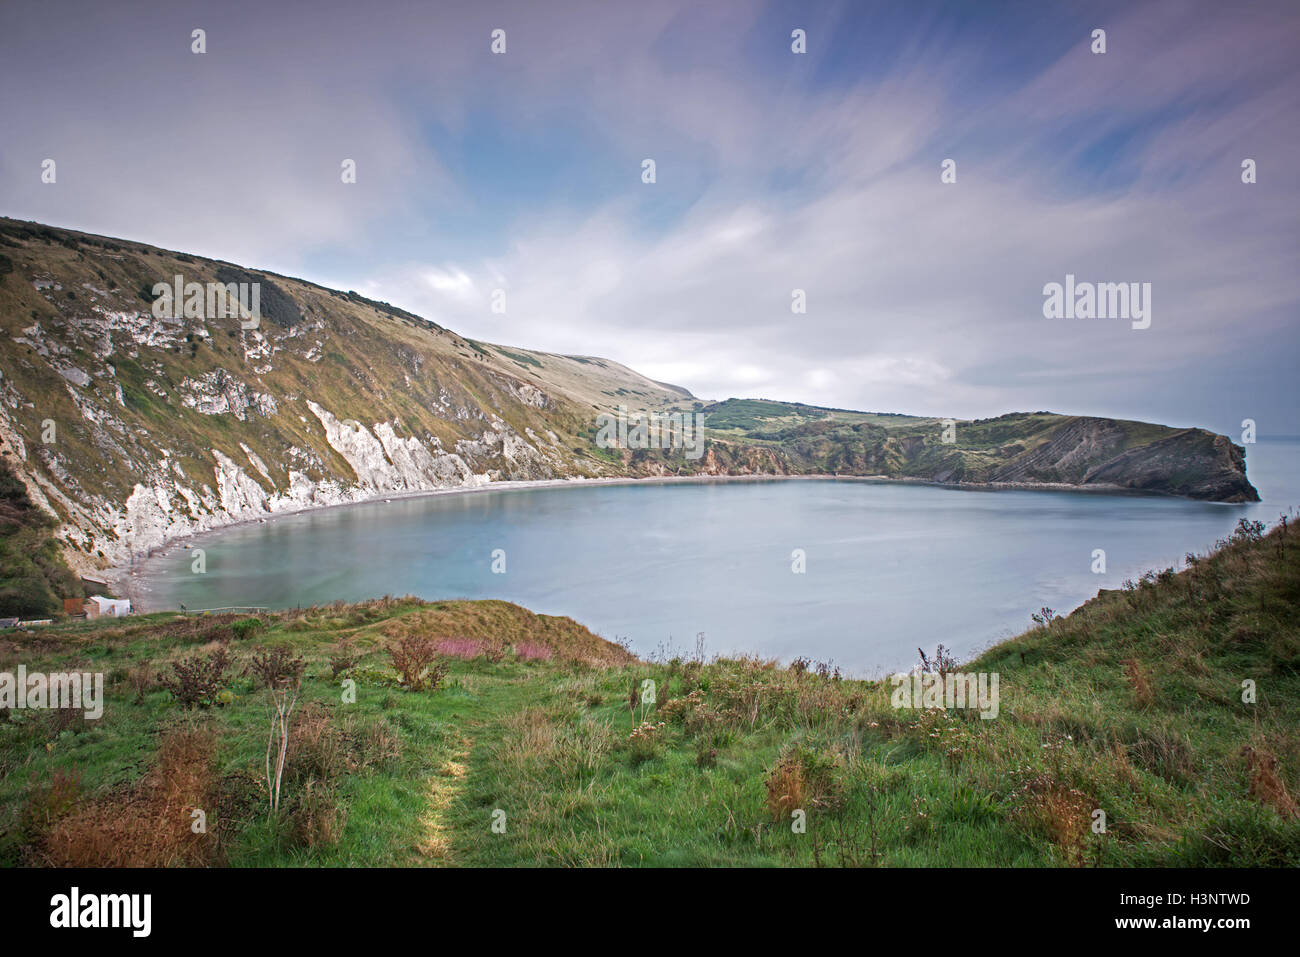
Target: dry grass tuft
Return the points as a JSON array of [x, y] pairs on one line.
[[1062, 814], [803, 780], [150, 825], [1140, 682], [1266, 784]]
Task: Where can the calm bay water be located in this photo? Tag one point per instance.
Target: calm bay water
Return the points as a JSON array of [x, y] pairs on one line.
[[890, 567]]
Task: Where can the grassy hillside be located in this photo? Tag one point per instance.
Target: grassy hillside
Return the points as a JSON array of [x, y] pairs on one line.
[[34, 579], [756, 418], [1131, 705], [1017, 448]]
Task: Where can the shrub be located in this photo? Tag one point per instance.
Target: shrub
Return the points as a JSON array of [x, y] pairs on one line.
[[246, 628], [943, 662], [344, 661], [281, 670], [376, 677], [681, 710], [1248, 531], [277, 667], [196, 681], [643, 742], [412, 655], [1045, 616]]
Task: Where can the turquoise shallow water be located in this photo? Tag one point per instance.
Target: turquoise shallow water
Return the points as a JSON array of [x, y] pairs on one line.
[[889, 567]]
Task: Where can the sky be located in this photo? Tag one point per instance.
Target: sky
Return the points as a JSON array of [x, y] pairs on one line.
[[775, 171]]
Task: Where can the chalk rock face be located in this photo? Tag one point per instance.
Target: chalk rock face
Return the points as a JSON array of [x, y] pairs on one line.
[[360, 449], [219, 393], [532, 395], [152, 516], [419, 467], [383, 461], [75, 375], [238, 493], [526, 393]]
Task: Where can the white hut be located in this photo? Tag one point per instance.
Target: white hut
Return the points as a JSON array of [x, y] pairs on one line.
[[98, 606]]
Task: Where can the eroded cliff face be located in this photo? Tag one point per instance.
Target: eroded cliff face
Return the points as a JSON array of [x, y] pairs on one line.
[[167, 506], [1097, 452], [135, 430], [167, 503], [1194, 463]]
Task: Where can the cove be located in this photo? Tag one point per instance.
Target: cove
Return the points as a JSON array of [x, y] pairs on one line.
[[888, 566]]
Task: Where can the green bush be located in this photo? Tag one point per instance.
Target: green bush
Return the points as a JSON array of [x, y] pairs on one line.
[[28, 598], [247, 627]]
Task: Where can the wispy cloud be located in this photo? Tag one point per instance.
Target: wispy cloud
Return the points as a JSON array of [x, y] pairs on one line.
[[775, 172]]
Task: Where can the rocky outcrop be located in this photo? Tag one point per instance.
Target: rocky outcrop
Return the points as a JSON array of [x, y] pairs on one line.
[[1067, 457], [219, 393], [384, 462], [1096, 452], [1193, 462]]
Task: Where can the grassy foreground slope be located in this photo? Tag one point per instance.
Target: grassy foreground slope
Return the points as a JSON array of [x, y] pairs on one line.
[[1132, 705]]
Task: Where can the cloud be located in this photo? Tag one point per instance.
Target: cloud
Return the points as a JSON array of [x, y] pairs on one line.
[[775, 172]]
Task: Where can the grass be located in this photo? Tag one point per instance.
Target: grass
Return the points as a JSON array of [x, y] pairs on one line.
[[543, 744]]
